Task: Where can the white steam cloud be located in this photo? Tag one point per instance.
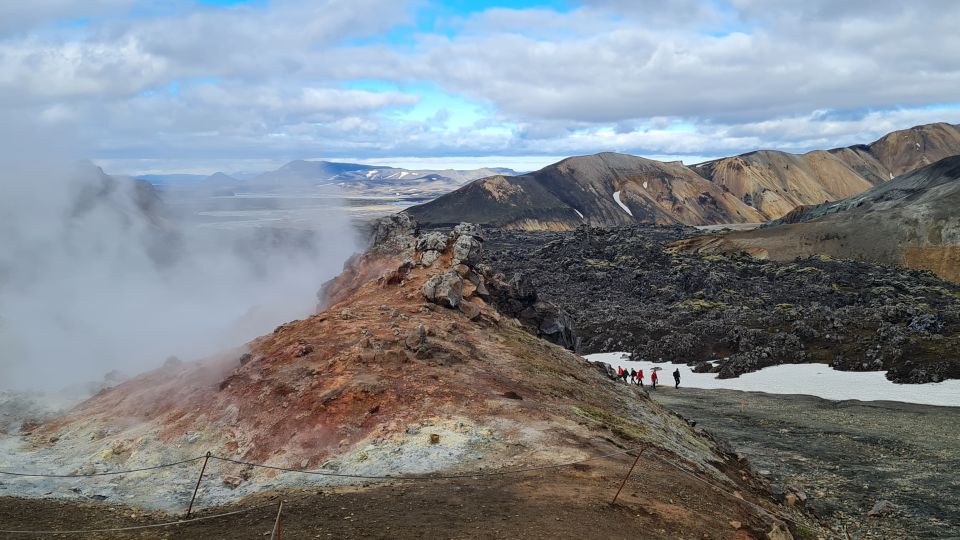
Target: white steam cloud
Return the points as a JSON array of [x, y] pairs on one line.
[[95, 277]]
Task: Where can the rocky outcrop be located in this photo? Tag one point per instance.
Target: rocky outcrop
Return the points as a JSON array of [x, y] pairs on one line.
[[465, 282], [393, 233], [611, 189]]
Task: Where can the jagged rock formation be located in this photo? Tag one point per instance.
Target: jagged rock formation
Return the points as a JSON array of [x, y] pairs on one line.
[[730, 315], [911, 221], [611, 189]]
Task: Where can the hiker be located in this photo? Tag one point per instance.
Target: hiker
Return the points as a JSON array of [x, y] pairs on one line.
[[653, 379], [633, 376], [619, 373], [676, 377], [640, 377]]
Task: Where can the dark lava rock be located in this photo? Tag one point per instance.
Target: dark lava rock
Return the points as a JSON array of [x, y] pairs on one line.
[[623, 290], [882, 508]]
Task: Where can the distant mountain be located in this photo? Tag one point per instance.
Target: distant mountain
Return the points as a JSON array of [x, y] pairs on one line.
[[912, 220], [350, 179], [306, 173], [615, 189], [301, 172], [163, 179], [220, 178], [605, 189]]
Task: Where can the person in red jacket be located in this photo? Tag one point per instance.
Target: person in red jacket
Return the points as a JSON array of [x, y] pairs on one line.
[[653, 379], [619, 373], [640, 377]]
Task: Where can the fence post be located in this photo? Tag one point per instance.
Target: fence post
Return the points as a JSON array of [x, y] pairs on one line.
[[197, 487], [614, 501], [275, 535]]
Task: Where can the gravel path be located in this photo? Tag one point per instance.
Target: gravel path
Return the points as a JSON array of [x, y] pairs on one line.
[[846, 455]]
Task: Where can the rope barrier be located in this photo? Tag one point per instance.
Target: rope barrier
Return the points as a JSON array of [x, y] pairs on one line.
[[477, 474], [430, 477], [369, 477], [141, 527], [108, 473]]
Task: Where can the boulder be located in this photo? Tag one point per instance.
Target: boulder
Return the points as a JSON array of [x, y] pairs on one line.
[[444, 289], [468, 229], [926, 324], [471, 310], [434, 241], [427, 258], [395, 232], [605, 369], [702, 367], [467, 250], [882, 507]]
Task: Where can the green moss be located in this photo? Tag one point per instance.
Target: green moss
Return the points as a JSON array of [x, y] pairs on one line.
[[886, 289], [702, 305], [942, 291], [803, 532], [784, 307], [598, 263], [623, 427]]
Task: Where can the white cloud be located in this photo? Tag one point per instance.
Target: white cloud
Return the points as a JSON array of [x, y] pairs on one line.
[[276, 81]]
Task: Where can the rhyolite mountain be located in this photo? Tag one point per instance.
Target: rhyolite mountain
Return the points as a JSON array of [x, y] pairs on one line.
[[912, 220], [607, 189], [611, 189]]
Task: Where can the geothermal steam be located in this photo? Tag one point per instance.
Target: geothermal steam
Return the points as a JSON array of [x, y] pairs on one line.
[[96, 276]]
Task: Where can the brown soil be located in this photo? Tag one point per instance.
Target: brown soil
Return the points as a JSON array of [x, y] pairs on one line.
[[569, 503]]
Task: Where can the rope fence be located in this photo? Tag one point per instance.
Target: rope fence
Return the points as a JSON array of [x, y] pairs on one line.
[[106, 473], [399, 477]]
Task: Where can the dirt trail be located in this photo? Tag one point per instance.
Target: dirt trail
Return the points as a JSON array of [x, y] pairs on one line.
[[570, 503]]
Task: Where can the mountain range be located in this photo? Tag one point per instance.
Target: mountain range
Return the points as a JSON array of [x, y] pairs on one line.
[[611, 189], [350, 179], [911, 221]]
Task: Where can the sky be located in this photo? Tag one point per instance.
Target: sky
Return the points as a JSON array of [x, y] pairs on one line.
[[154, 86]]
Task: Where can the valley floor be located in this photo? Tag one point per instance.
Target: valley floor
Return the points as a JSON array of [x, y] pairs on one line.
[[846, 455]]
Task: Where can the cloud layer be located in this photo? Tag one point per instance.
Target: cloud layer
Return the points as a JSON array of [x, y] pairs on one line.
[[180, 82]]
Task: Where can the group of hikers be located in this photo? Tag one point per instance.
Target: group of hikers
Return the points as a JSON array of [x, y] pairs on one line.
[[634, 376]]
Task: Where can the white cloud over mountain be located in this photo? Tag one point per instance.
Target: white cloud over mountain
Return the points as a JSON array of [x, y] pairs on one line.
[[180, 81]]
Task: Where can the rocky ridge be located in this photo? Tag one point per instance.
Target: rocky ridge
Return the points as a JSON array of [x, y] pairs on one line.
[[410, 368]]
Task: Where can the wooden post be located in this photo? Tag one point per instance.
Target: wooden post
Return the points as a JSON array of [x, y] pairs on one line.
[[275, 535], [197, 487], [614, 501]]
